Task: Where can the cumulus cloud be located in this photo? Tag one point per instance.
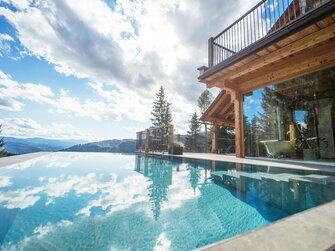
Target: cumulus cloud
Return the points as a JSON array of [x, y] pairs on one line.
[[26, 127], [5, 44], [5, 181], [6, 37], [11, 91], [134, 47], [72, 106]]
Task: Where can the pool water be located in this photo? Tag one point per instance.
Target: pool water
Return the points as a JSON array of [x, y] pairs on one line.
[[98, 201]]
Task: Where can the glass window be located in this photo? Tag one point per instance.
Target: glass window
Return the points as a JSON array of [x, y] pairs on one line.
[[293, 119]]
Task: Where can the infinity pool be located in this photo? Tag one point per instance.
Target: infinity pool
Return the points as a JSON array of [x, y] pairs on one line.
[[97, 201]]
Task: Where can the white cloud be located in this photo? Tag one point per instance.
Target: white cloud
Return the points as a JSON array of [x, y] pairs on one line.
[[6, 37], [19, 4], [71, 106], [5, 181], [5, 44], [250, 100], [11, 91], [135, 47], [26, 127], [162, 243], [41, 231]]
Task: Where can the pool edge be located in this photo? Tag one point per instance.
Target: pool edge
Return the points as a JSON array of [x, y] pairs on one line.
[[312, 229], [10, 160], [299, 165]]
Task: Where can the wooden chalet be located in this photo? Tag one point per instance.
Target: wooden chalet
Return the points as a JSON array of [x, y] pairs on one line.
[[277, 44]]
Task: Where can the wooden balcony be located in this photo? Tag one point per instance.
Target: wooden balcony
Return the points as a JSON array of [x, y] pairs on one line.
[[294, 31]]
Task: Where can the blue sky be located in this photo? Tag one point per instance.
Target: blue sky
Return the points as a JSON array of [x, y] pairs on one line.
[[90, 69]]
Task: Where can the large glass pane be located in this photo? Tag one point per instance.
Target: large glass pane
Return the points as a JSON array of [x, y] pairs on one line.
[[293, 119]]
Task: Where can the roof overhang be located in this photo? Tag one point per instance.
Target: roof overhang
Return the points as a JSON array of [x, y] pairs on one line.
[[221, 111]]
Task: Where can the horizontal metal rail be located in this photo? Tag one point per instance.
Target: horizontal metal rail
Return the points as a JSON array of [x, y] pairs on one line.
[[262, 20]]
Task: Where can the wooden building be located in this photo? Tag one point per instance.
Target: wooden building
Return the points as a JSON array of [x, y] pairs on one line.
[[281, 56]]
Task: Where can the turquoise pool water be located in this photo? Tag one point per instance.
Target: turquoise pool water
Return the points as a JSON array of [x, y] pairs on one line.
[[96, 201]]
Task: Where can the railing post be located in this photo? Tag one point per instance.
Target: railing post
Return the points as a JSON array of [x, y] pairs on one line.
[[147, 141], [210, 52], [303, 7]]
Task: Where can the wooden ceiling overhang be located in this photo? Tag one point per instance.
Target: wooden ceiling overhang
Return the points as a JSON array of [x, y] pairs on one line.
[[304, 46], [221, 111]]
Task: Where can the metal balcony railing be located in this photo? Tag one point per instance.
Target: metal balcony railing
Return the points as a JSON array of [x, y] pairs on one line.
[[263, 19]]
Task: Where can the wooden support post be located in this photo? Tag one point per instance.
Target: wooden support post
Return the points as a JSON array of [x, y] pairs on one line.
[[170, 143], [237, 98], [292, 138], [215, 139], [147, 141], [292, 134]]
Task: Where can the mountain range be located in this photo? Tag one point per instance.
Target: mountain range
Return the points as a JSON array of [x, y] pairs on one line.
[[114, 145], [29, 145]]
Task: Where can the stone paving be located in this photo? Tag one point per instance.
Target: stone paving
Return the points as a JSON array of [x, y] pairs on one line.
[[313, 229]]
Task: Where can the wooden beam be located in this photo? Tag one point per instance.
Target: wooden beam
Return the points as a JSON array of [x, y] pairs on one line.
[[297, 46], [220, 121], [230, 112], [315, 59], [221, 102], [223, 112], [224, 83]]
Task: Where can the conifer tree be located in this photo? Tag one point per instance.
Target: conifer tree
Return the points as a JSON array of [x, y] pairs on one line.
[[204, 101], [3, 151], [193, 132], [161, 111]]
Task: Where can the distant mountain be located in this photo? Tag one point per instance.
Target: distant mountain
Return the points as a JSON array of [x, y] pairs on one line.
[[29, 145], [114, 145]]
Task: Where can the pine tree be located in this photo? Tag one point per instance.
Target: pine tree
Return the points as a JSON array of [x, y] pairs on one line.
[[161, 111], [204, 101], [193, 132], [3, 151]]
